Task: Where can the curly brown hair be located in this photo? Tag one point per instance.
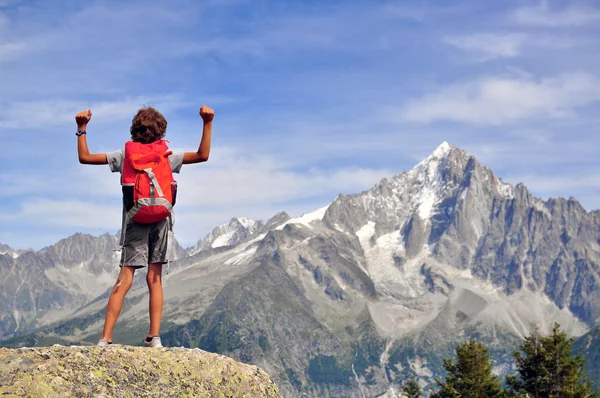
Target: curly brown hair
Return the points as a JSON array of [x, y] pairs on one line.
[[148, 125]]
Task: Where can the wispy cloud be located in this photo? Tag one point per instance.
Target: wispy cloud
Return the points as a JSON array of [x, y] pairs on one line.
[[51, 113], [64, 213], [543, 16], [232, 183], [489, 45], [500, 100], [236, 178]]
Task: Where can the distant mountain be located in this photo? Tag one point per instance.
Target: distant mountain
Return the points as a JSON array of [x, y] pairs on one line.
[[238, 229], [7, 250], [40, 288], [354, 298]]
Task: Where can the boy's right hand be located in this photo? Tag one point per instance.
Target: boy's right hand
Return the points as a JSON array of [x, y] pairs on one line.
[[207, 113], [83, 118]]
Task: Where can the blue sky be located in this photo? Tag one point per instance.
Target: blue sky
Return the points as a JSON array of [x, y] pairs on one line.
[[312, 99]]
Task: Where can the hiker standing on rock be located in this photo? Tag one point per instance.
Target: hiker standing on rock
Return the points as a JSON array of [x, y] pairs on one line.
[[149, 193]]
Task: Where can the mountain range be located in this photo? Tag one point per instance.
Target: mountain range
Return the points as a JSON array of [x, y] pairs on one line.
[[348, 300]]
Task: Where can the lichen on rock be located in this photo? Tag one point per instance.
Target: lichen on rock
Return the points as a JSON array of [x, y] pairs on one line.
[[125, 371]]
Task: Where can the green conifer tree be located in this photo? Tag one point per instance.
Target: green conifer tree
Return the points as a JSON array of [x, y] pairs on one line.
[[411, 389], [471, 375], [547, 368]]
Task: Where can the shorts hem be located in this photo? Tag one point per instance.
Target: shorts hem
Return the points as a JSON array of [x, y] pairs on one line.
[[132, 265]]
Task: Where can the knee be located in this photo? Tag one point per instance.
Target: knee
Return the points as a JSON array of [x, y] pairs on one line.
[[153, 280], [124, 283]]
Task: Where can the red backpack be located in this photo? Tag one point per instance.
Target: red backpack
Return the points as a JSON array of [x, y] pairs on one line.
[[149, 189]]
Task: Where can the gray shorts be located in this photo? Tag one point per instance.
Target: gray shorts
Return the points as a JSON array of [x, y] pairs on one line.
[[145, 244]]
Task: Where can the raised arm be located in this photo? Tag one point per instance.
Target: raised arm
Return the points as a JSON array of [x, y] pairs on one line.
[[204, 149], [85, 157]]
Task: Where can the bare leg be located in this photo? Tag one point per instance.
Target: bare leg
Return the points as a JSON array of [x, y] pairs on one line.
[[115, 301], [154, 280]]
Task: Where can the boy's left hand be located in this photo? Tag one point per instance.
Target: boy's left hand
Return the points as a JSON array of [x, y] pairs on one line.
[[207, 113]]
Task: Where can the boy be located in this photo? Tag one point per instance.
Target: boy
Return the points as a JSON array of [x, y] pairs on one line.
[[142, 244]]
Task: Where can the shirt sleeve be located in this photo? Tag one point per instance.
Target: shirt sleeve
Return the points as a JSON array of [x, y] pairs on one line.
[[176, 160], [115, 160]]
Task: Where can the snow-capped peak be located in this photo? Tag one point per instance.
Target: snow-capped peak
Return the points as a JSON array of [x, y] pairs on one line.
[[442, 150], [431, 162], [307, 218], [237, 230], [427, 176], [245, 222]]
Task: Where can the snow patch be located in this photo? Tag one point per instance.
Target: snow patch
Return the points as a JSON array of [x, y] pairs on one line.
[[223, 240], [442, 150], [241, 256], [541, 207], [307, 218], [246, 222], [10, 253], [505, 189], [388, 277], [428, 199], [366, 231]]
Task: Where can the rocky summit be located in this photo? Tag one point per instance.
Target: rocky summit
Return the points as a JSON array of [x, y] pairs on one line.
[[123, 371]]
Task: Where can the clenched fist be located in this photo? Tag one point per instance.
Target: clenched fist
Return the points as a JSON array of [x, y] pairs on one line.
[[207, 113], [83, 117]]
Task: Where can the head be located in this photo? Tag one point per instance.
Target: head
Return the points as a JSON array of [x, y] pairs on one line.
[[148, 125]]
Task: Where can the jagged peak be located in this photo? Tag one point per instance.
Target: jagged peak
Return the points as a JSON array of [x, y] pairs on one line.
[[280, 214], [7, 250], [78, 237], [243, 221], [226, 234], [442, 150]]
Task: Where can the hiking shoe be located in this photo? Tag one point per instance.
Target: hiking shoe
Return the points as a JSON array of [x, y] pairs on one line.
[[103, 343], [152, 342]]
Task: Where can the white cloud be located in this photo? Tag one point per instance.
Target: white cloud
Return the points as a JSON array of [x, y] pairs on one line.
[[59, 112], [79, 181], [489, 45], [64, 213], [232, 183], [233, 178], [503, 100], [543, 16]]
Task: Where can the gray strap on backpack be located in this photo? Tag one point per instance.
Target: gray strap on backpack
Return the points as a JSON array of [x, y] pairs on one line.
[[154, 182]]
